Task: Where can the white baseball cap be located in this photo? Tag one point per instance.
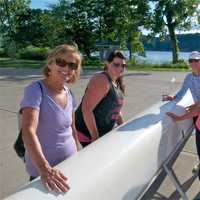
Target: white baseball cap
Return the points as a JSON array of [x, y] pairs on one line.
[[194, 55]]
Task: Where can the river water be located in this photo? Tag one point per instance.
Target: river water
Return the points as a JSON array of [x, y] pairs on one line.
[[160, 56]]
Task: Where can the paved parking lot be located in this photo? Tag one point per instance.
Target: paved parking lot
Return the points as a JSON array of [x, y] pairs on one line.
[[143, 90]]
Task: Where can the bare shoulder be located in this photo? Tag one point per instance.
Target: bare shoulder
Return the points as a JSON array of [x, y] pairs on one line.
[[99, 78], [99, 82]]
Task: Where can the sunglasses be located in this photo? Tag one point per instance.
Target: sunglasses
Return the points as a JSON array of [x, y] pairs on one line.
[[193, 60], [117, 65], [63, 63]]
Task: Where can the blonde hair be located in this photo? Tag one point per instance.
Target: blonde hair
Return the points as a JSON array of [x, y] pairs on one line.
[[59, 51]]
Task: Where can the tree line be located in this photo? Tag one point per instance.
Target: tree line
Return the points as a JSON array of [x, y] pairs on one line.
[[88, 22], [186, 42]]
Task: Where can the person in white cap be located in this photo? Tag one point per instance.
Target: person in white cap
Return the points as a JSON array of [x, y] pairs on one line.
[[192, 82]]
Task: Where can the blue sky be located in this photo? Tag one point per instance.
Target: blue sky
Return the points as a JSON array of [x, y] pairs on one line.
[[41, 3]]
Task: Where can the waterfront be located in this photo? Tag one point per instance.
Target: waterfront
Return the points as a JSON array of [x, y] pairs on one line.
[[152, 57], [160, 57]]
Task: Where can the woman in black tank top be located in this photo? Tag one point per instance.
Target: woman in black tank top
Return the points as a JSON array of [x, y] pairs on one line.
[[100, 108]]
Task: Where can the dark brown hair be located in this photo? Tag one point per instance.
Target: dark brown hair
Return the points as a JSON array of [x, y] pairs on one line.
[[110, 58], [59, 51]]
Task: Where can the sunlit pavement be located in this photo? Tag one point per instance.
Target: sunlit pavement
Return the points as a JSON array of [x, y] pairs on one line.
[[143, 90]]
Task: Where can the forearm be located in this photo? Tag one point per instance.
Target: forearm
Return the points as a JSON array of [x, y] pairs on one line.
[[74, 132], [120, 119], [188, 115], [91, 123], [34, 149], [75, 136], [193, 114], [183, 89]]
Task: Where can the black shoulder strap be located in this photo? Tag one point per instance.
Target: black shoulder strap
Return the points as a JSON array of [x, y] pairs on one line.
[[70, 91], [40, 87], [109, 79]]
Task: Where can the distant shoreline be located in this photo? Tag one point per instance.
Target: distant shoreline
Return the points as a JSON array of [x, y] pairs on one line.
[[187, 42], [160, 57]]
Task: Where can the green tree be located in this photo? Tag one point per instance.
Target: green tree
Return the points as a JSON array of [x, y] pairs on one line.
[[171, 15], [9, 13], [89, 21], [128, 25], [73, 24], [118, 21], [31, 28]]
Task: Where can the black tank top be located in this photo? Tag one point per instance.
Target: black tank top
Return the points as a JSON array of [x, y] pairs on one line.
[[106, 112]]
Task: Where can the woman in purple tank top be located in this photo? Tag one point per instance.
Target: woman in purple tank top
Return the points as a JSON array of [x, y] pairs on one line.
[[47, 118]]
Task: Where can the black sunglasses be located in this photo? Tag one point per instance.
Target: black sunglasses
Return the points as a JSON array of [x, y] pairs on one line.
[[117, 65], [193, 60], [63, 63]]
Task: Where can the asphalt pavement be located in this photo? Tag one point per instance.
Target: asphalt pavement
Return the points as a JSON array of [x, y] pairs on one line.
[[143, 89]]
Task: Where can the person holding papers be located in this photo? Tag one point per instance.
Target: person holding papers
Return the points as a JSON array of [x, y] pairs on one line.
[[192, 82]]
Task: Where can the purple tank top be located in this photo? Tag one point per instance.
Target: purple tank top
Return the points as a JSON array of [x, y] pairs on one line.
[[54, 127]]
